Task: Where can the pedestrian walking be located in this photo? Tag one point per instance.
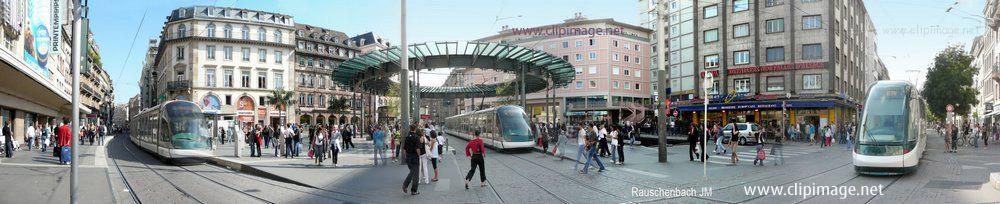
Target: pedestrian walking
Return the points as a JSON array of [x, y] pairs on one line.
[[602, 135], [592, 154], [46, 136], [335, 145], [319, 147], [581, 141], [433, 153], [557, 132], [411, 145], [954, 139], [8, 137], [693, 141], [30, 135], [760, 150], [425, 158], [620, 146], [347, 133], [734, 143], [719, 137], [476, 150], [613, 147], [543, 136], [378, 140]]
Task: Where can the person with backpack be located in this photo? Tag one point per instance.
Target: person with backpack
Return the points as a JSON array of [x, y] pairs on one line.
[[411, 147], [760, 149]]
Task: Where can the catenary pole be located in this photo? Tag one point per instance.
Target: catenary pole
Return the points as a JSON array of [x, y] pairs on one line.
[[75, 61], [404, 78]]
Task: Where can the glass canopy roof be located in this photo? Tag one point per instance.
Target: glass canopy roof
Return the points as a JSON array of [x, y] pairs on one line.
[[372, 70]]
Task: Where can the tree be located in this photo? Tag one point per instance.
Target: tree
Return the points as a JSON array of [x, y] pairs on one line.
[[949, 81], [337, 105], [392, 100], [506, 94], [281, 99]]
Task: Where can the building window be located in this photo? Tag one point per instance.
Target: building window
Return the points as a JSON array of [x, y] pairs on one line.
[[210, 77], [741, 30], [592, 70], [775, 25], [638, 73], [627, 72], [261, 55], [711, 35], [261, 34], [710, 11], [277, 36], [246, 53], [229, 100], [770, 3], [637, 86], [812, 51], [245, 33], [565, 44], [741, 57], [181, 31], [579, 57], [614, 56], [742, 85], [592, 42], [626, 58], [593, 84], [210, 52], [180, 52], [776, 83], [741, 5], [245, 79], [227, 51], [261, 100], [210, 30], [809, 1], [593, 55], [614, 84], [713, 91], [278, 57], [615, 70], [811, 82], [579, 84], [262, 80], [227, 31], [579, 43], [227, 80], [775, 54], [625, 45], [811, 22], [711, 61]]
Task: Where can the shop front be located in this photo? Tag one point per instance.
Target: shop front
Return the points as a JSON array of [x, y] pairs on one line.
[[818, 113]]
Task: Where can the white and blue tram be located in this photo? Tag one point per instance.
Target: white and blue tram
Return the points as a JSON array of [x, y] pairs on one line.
[[174, 130], [891, 137], [504, 127]]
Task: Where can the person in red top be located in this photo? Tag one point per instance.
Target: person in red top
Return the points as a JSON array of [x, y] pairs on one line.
[[476, 150], [65, 137]]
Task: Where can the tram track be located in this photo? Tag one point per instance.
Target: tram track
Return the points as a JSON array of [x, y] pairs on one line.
[[185, 193], [518, 172]]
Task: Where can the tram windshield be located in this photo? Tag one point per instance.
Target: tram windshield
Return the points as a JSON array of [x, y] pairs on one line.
[[886, 115], [513, 125], [184, 118]]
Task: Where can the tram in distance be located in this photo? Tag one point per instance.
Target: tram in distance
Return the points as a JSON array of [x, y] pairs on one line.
[[502, 128], [891, 137], [173, 131]]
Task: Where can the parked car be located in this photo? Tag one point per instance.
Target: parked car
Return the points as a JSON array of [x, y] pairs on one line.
[[746, 131]]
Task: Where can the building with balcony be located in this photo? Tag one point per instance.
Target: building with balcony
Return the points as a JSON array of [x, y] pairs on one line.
[[318, 51], [612, 70], [228, 60], [812, 57], [986, 57]]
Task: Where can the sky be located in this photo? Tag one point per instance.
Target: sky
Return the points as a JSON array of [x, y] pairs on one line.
[[909, 32]]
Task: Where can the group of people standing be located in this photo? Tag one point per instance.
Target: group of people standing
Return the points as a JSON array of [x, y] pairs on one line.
[[41, 136], [595, 141], [971, 132], [423, 147]]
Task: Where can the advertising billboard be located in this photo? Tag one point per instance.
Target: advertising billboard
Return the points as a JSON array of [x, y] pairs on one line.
[[41, 36]]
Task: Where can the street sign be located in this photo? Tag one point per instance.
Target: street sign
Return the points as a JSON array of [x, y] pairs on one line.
[[708, 82]]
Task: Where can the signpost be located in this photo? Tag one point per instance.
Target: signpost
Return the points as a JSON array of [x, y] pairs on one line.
[[707, 83]]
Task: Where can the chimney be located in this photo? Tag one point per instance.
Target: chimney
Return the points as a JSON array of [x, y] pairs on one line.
[[578, 16]]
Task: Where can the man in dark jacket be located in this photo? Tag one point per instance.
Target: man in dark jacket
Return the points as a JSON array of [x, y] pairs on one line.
[[8, 135], [692, 140], [411, 145]]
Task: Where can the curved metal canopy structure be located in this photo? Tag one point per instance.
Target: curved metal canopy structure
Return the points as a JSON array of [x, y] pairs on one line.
[[371, 72]]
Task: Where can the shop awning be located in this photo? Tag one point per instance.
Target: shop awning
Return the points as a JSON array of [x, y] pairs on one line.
[[759, 105]]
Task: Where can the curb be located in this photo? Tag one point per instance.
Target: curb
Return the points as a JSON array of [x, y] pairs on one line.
[[248, 169]]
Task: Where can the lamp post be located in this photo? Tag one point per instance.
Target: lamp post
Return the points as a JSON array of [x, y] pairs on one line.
[[707, 83]]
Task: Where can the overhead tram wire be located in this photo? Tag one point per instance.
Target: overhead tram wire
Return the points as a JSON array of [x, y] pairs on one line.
[[132, 45]]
